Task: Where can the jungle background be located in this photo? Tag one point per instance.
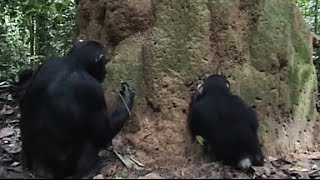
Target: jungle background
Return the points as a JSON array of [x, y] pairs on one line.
[[32, 30]]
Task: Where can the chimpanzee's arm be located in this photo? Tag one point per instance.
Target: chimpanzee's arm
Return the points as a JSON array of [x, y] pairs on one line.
[[122, 110], [195, 96], [105, 125]]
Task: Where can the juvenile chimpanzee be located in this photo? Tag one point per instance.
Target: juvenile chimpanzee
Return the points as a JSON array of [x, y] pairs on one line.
[[227, 125], [65, 120]]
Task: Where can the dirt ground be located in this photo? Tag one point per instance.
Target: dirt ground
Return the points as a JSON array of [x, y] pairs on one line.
[[121, 159]]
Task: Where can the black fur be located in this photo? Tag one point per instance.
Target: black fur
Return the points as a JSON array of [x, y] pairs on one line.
[[64, 117], [228, 126]]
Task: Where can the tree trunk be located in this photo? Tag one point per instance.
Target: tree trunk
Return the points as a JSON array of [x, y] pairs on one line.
[[42, 35], [316, 16], [32, 36]]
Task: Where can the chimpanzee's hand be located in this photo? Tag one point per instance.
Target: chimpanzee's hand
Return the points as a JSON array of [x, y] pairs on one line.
[[127, 93]]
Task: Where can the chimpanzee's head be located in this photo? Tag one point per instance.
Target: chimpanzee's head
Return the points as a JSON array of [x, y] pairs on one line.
[[214, 82], [92, 56]]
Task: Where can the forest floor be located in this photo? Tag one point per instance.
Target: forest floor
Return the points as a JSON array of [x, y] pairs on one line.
[[304, 165]]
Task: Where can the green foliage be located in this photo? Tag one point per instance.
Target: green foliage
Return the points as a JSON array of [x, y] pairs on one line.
[[121, 175], [31, 30], [310, 10], [200, 140]]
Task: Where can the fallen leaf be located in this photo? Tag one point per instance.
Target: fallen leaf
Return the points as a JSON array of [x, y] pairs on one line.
[[270, 158], [302, 157], [13, 150], [315, 156], [267, 171], [298, 169], [285, 167], [315, 173], [4, 132], [264, 176], [9, 97], [12, 121], [280, 162], [15, 164], [151, 176], [99, 176], [304, 176], [4, 84], [259, 171], [280, 175], [7, 110], [314, 167]]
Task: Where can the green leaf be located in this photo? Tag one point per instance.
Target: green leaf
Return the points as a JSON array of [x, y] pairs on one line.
[[121, 175], [200, 140]]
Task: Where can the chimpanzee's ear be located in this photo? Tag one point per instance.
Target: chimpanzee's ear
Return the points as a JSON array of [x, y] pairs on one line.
[[228, 84], [219, 72]]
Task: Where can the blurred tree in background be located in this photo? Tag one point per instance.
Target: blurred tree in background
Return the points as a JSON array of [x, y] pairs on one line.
[[310, 11], [31, 30]]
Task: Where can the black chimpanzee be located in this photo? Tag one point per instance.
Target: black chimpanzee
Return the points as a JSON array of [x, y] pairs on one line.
[[227, 125], [65, 120]]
